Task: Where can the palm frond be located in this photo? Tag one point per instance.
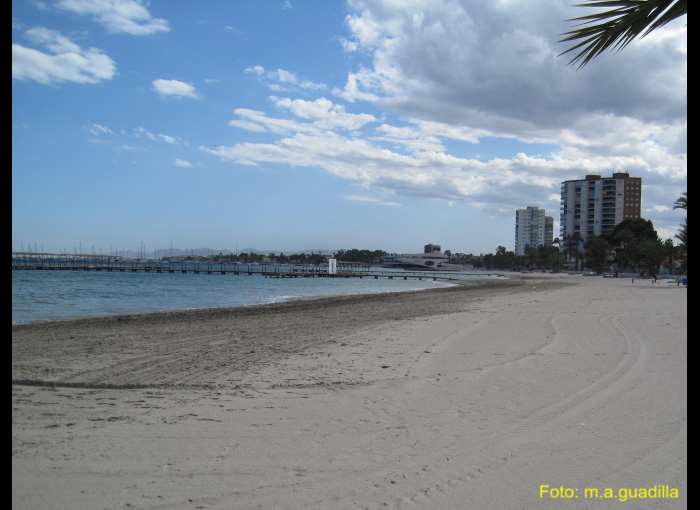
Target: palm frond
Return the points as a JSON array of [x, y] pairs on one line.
[[682, 202], [615, 28]]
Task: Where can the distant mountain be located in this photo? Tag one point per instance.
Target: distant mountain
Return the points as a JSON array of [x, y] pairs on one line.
[[323, 251]]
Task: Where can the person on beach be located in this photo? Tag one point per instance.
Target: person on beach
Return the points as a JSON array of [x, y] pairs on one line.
[[653, 278], [632, 278]]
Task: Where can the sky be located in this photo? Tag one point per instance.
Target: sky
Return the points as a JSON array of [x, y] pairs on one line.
[[302, 125]]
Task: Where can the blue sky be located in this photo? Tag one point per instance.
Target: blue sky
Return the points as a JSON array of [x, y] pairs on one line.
[[301, 125]]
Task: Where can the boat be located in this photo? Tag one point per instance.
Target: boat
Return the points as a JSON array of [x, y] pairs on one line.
[[432, 259]]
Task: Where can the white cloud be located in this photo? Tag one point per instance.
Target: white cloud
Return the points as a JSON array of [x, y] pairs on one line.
[[139, 132], [281, 80], [174, 88], [498, 185], [324, 113], [256, 70], [360, 198], [258, 121], [463, 70], [469, 63], [248, 125], [67, 61], [348, 46], [321, 115], [182, 163], [97, 130], [312, 86], [411, 138], [118, 16], [357, 86], [459, 73], [143, 132], [285, 76]]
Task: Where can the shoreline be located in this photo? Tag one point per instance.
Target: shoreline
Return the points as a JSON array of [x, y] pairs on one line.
[[275, 300], [227, 309], [445, 398], [306, 322]]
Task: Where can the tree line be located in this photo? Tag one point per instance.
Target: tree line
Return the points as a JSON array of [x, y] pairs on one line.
[[252, 258], [345, 255]]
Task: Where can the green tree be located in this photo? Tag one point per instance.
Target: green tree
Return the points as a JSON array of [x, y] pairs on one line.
[[616, 28], [499, 258], [671, 253], [503, 259], [597, 253], [572, 248], [682, 202], [653, 255], [627, 241], [531, 256], [682, 247], [682, 235], [554, 259], [488, 261], [365, 256]]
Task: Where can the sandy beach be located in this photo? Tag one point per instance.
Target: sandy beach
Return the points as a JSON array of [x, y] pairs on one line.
[[513, 394]]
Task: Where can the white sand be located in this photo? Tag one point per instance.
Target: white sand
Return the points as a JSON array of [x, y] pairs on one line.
[[470, 398]]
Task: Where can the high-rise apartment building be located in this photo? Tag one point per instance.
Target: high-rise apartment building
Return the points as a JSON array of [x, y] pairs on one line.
[[532, 229], [548, 230], [595, 205]]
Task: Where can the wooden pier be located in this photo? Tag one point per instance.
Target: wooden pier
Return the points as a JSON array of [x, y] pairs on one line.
[[110, 263], [23, 261]]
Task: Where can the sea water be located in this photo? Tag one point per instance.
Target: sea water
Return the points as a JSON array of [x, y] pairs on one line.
[[54, 295]]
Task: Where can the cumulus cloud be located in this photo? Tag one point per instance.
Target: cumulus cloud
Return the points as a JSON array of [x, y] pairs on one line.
[[174, 88], [324, 113], [182, 163], [316, 116], [118, 16], [456, 73], [413, 139], [65, 60], [474, 63], [464, 70], [283, 80], [411, 161]]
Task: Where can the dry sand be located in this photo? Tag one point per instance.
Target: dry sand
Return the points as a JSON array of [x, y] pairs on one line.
[[468, 397]]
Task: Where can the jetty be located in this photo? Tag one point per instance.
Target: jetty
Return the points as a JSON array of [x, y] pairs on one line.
[[34, 261]]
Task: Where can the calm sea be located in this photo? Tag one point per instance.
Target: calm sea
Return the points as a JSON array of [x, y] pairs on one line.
[[55, 295]]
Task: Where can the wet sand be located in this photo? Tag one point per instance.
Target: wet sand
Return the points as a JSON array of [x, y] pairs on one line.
[[465, 397]]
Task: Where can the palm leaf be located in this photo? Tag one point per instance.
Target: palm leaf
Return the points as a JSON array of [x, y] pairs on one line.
[[682, 202], [615, 28]]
